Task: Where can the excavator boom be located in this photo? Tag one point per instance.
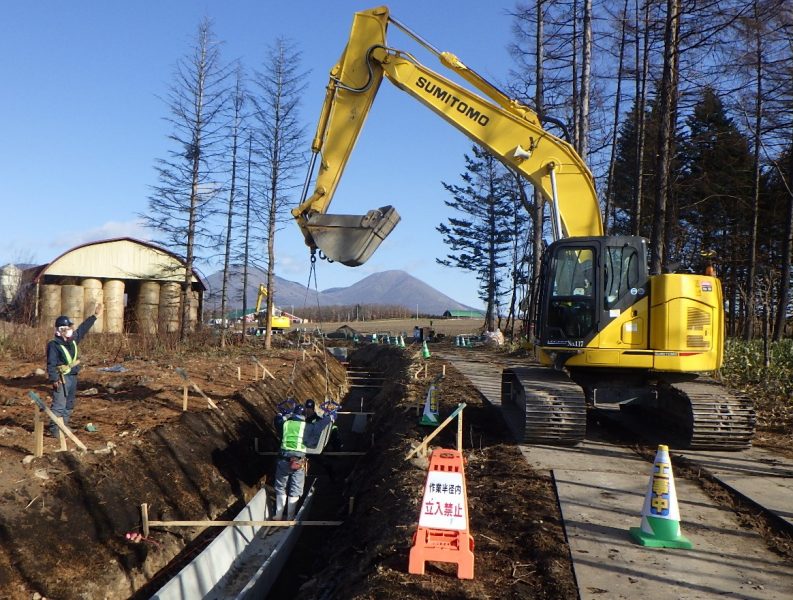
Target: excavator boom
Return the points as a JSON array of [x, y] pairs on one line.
[[508, 129]]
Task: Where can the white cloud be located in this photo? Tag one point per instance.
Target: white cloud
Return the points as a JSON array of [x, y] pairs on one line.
[[109, 230]]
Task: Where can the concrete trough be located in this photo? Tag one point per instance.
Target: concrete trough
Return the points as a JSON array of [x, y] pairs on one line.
[[242, 562]]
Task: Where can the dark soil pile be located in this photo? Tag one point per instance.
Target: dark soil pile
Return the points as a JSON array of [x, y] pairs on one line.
[[520, 548]]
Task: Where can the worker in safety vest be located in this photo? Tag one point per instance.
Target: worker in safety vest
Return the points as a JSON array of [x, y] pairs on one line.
[[63, 364], [290, 470]]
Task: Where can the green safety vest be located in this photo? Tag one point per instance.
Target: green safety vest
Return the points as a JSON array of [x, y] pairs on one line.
[[70, 360], [292, 438]]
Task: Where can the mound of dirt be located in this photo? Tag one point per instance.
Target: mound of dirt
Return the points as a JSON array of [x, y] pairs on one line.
[[520, 548], [64, 516]]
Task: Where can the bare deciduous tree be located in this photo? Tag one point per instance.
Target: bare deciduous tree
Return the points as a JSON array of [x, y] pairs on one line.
[[236, 129], [280, 144], [182, 201]]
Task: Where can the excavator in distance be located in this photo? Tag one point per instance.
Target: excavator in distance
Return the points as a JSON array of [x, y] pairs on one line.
[[607, 332], [278, 321]]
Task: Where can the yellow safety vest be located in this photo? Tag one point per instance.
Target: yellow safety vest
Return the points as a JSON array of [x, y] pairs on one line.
[[70, 360], [292, 437]]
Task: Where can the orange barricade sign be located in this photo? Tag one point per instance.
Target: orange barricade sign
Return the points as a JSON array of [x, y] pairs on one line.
[[442, 533]]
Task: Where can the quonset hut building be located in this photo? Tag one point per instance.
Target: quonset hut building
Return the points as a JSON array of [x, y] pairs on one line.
[[138, 282]]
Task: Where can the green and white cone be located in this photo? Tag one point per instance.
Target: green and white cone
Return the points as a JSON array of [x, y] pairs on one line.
[[660, 525], [425, 351], [430, 414]]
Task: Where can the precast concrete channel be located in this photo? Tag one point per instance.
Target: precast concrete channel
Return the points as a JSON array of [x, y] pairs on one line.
[[601, 485], [253, 562]]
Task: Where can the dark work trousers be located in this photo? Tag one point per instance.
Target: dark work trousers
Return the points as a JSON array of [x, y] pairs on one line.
[[63, 401]]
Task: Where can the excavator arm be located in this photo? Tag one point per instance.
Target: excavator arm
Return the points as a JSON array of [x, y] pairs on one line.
[[508, 129], [260, 297]]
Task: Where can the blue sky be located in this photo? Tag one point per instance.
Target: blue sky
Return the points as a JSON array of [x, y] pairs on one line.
[[82, 120]]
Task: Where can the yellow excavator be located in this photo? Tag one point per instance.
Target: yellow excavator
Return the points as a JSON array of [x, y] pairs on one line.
[[612, 334], [278, 321]]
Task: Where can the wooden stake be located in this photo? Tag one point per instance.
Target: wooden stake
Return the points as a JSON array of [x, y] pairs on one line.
[[144, 515], [59, 422], [460, 432], [38, 433], [61, 437], [444, 370], [184, 398], [239, 373], [183, 374], [265, 372], [237, 523], [423, 445], [350, 504]]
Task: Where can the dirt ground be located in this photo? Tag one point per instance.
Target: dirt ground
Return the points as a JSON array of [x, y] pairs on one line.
[[64, 517], [520, 549]]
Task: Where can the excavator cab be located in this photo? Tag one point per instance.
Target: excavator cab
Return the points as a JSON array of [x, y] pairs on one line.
[[351, 239], [587, 283]]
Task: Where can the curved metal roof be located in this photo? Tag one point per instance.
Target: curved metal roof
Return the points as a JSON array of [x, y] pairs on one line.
[[119, 258]]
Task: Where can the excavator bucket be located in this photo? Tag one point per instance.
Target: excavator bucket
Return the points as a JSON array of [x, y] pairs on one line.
[[352, 239]]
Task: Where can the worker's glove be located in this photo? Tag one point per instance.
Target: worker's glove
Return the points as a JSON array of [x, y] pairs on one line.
[[55, 385], [285, 407], [64, 369], [333, 408]]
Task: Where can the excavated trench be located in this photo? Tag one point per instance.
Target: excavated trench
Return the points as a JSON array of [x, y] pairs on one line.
[[200, 466], [335, 479]]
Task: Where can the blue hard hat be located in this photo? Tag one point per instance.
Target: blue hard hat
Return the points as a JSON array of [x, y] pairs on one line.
[[63, 321], [298, 410]]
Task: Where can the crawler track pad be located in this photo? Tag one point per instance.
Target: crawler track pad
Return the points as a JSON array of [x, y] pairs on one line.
[[553, 406]]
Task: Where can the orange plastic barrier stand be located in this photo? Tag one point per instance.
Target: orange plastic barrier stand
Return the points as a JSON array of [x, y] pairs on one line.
[[442, 534]]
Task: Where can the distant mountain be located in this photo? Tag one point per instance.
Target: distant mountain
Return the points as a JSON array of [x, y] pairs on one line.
[[388, 288]]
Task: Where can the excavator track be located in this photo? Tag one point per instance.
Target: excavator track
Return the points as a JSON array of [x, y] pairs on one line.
[[554, 407], [711, 418]]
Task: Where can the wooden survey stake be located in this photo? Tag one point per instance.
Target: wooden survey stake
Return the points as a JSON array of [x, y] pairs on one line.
[[58, 421], [38, 433], [265, 372], [183, 374]]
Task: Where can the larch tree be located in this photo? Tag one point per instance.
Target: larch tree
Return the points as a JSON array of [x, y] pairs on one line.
[[235, 135], [182, 202], [667, 94], [280, 145]]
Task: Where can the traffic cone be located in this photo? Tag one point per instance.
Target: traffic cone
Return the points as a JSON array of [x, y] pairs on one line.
[[660, 526], [430, 414], [425, 351], [401, 342], [457, 341], [374, 338]]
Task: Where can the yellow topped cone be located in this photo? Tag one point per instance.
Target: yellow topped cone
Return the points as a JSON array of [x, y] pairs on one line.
[[660, 526]]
